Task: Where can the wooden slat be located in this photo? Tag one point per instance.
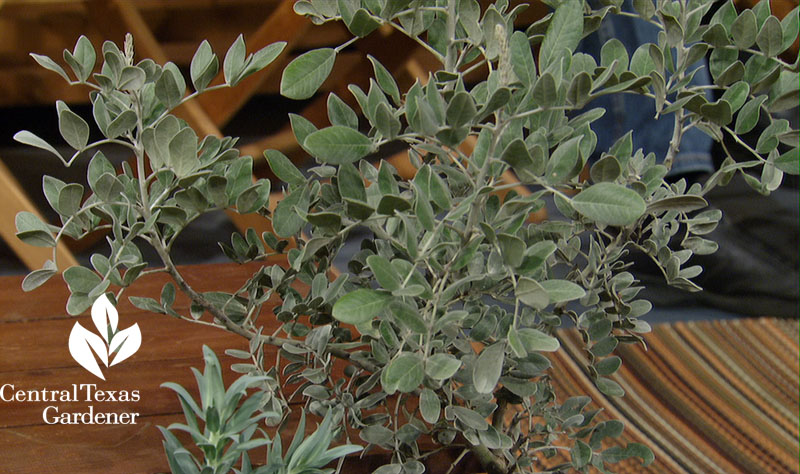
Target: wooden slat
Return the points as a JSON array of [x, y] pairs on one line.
[[192, 111], [149, 45], [283, 24], [15, 200], [48, 301], [29, 84], [358, 70], [181, 50], [686, 431], [109, 449], [37, 357], [37, 345], [129, 376], [34, 331]]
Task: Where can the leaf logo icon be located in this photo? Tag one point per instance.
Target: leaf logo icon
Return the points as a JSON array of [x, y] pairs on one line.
[[121, 344]]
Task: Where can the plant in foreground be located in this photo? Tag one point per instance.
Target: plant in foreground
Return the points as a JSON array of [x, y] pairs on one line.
[[228, 428], [452, 300]]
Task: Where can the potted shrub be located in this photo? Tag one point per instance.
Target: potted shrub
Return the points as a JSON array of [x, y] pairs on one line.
[[441, 325]]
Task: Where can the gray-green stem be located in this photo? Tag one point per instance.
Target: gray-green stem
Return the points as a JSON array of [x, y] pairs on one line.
[[229, 324], [677, 130]]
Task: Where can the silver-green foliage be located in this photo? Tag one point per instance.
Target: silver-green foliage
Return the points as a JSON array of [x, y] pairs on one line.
[[219, 425], [455, 294], [223, 424]]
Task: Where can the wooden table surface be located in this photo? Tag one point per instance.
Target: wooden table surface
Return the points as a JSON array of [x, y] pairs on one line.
[[34, 333], [715, 396]]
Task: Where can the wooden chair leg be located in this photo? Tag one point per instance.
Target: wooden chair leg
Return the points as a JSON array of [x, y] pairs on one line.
[[15, 200], [222, 105]]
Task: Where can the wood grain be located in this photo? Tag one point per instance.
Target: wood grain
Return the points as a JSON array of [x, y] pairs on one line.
[[15, 200], [34, 332]]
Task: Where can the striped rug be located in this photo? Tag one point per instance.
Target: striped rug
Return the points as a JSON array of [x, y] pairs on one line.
[[707, 397]]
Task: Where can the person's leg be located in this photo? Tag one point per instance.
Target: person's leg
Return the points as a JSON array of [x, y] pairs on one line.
[[636, 113], [755, 269]]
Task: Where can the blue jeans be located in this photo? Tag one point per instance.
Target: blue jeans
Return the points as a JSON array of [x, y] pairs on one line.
[[626, 112]]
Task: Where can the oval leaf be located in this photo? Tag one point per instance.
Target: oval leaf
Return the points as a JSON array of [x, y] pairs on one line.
[[442, 366], [488, 367], [48, 63], [532, 293], [359, 306], [609, 203], [233, 64], [403, 374], [283, 168], [470, 418], [73, 128], [31, 139], [429, 406], [303, 76], [384, 272], [685, 203], [37, 278], [409, 317], [561, 291], [535, 340], [338, 145]]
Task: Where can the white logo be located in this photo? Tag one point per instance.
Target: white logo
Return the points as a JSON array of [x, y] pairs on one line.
[[83, 342]]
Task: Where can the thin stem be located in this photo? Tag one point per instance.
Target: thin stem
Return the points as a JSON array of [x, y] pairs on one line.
[[71, 218], [463, 54], [677, 128], [409, 11], [105, 141], [477, 204], [475, 66], [457, 162], [423, 251], [185, 99], [196, 93], [200, 321], [437, 290], [457, 460], [743, 143], [551, 446], [85, 83], [783, 64], [516, 302], [396, 423], [425, 45], [231, 326], [528, 113], [451, 57], [152, 271], [634, 15], [346, 44], [675, 141]]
